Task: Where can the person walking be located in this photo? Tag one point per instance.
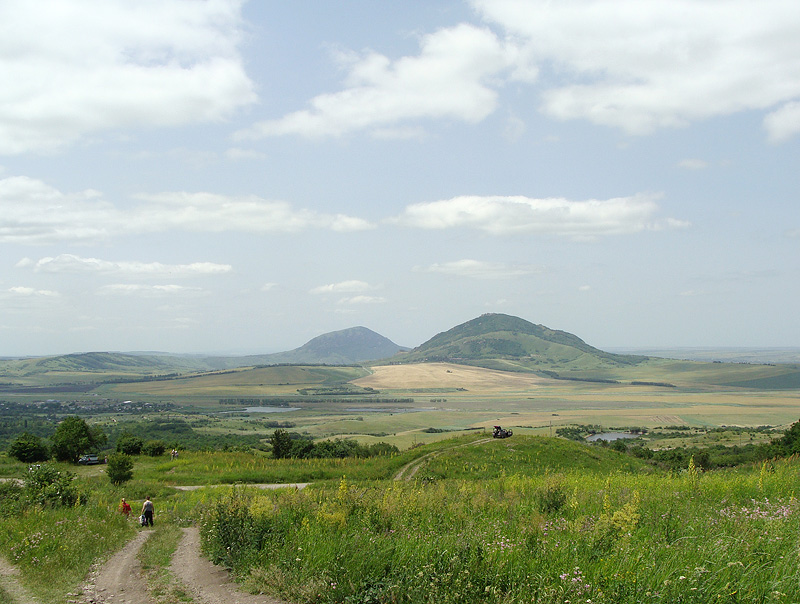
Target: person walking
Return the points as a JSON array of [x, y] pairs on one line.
[[147, 512], [125, 507]]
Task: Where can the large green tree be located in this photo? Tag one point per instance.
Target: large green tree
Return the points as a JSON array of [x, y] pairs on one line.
[[74, 437]]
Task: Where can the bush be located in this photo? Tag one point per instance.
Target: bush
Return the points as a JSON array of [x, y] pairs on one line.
[[119, 468], [154, 448], [129, 444], [28, 448], [47, 486], [281, 444]]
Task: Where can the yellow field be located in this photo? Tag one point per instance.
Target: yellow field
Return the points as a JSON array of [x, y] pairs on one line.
[[448, 376]]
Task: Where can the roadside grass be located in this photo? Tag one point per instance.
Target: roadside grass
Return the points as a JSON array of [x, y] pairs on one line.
[[54, 547], [11, 468]]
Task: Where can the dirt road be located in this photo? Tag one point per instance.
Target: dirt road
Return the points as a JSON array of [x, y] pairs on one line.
[[120, 580], [208, 584]]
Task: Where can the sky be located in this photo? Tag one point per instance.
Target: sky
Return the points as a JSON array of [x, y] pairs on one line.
[[221, 176]]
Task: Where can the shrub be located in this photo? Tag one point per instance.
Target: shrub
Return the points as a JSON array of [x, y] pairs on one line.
[[11, 498], [28, 448], [119, 468], [47, 486], [154, 448], [129, 444]]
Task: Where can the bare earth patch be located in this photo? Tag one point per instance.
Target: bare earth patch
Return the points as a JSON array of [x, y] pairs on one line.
[[446, 375], [206, 582], [120, 580], [9, 583]]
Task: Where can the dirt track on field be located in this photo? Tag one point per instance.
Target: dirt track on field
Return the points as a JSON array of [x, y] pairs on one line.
[[121, 580]]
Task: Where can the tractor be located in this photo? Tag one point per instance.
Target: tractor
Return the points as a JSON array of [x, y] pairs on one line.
[[499, 432]]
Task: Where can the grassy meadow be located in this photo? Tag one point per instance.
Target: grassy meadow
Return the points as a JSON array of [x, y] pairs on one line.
[[480, 520], [525, 521]]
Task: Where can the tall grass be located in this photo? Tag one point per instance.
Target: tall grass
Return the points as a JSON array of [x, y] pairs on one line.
[[577, 536], [204, 468], [54, 547]]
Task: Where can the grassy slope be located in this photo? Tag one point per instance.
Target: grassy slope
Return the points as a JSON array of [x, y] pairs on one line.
[[487, 470]]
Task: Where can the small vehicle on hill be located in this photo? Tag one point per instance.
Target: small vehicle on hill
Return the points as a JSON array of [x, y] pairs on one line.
[[89, 460], [499, 432]]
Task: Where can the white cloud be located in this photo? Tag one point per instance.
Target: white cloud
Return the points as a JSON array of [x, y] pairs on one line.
[[652, 64], [347, 287], [451, 78], [481, 270], [362, 300], [784, 123], [70, 69], [148, 291], [215, 213], [31, 292], [236, 153], [33, 212], [693, 164], [69, 263], [498, 215]]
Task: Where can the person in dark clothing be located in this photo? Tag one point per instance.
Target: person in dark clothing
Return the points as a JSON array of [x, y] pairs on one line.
[[147, 512]]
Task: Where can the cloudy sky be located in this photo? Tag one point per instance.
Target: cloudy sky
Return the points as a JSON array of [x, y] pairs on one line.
[[230, 176]]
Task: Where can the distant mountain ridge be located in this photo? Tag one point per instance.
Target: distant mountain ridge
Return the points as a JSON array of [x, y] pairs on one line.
[[492, 340], [350, 346]]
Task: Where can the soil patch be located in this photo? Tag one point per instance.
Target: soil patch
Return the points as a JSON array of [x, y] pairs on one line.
[[208, 583], [11, 585], [120, 579]]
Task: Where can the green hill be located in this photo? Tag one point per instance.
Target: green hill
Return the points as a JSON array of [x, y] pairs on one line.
[[491, 339]]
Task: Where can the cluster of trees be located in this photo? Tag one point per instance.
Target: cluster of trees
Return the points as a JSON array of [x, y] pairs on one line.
[[72, 438], [286, 445]]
